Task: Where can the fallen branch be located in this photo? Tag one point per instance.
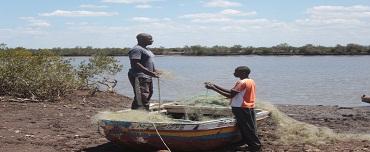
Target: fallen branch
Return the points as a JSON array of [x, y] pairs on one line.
[[109, 83]]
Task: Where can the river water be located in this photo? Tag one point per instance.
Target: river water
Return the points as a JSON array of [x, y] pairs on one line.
[[299, 80]]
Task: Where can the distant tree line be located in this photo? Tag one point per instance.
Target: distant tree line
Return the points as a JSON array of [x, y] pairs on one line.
[[198, 50]]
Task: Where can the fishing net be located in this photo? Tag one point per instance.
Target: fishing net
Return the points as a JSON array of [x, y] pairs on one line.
[[133, 116]]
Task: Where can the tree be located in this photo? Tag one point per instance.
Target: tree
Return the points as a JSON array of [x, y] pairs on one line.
[[355, 48], [3, 46], [97, 69], [282, 48], [236, 49]]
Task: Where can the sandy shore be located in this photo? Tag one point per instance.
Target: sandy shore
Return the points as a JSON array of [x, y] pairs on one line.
[[66, 125]]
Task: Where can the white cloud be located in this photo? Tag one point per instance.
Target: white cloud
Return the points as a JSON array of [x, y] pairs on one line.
[[336, 16], [221, 3], [76, 23], [144, 19], [201, 16], [36, 23], [322, 25], [223, 16], [129, 1], [92, 6], [143, 6], [339, 12], [237, 13], [152, 20], [78, 13]]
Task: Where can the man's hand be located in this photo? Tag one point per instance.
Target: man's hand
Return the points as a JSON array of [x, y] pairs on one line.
[[160, 72], [156, 74], [209, 85]]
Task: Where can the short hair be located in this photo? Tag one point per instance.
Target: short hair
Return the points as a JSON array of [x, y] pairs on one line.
[[142, 36], [243, 69]]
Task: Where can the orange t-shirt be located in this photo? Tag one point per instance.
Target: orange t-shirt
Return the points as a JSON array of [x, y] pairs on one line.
[[247, 94]]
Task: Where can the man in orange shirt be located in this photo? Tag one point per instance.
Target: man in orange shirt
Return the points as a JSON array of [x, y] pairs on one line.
[[242, 102]]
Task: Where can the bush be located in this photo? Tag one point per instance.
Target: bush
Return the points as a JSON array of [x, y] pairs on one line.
[[45, 75], [42, 75], [98, 67]]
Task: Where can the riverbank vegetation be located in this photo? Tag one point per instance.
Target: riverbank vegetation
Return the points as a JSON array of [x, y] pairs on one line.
[[198, 50], [44, 75]]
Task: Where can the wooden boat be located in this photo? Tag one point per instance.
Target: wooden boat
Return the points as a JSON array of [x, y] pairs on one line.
[[365, 98], [181, 135]]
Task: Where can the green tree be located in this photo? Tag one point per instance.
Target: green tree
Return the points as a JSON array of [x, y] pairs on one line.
[[3, 46], [355, 49], [236, 49], [99, 66]]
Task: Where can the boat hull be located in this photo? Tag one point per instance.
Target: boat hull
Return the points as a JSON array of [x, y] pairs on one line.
[[178, 136], [176, 140]]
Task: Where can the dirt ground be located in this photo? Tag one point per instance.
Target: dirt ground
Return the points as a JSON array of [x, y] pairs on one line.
[[66, 125]]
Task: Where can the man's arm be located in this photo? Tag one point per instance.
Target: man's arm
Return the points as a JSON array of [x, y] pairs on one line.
[[224, 92], [139, 66], [222, 89]]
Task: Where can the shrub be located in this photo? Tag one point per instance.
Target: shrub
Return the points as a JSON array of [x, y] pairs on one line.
[[42, 75], [46, 76], [97, 69]]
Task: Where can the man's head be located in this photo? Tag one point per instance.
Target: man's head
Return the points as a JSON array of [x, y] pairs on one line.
[[242, 72], [144, 39]]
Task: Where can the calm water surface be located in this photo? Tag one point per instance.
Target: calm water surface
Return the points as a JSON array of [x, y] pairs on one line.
[[302, 80]]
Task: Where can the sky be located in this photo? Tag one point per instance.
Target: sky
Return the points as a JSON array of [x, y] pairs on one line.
[[177, 23]]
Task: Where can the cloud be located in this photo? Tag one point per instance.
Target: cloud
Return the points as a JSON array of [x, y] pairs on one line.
[[143, 6], [78, 13], [221, 3], [237, 13], [144, 19], [129, 1], [322, 25], [147, 19], [223, 16], [36, 23], [76, 23], [339, 12], [336, 16], [93, 6]]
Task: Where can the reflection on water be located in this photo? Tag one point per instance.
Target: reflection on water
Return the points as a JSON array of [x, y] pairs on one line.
[[319, 80]]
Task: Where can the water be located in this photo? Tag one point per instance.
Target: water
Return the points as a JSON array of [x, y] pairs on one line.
[[301, 80]]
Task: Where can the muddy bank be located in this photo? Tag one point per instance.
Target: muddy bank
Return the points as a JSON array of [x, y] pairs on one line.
[[66, 125]]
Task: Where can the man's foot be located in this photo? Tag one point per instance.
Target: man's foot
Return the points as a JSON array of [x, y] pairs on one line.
[[241, 148], [248, 149], [254, 149]]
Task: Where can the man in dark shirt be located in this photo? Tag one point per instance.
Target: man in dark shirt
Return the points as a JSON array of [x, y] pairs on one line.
[[141, 72]]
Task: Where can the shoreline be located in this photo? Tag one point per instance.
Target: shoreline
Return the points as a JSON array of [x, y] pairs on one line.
[[66, 125]]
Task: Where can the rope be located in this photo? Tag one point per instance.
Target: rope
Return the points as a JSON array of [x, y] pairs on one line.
[[159, 96], [159, 110], [164, 143], [207, 95]]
